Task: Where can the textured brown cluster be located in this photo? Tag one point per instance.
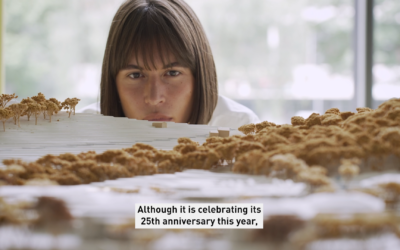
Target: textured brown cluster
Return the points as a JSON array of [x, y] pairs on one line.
[[13, 214], [140, 159], [33, 106], [339, 225], [330, 225], [277, 228], [324, 140], [387, 191], [70, 169], [307, 151], [349, 168], [53, 215], [47, 213]]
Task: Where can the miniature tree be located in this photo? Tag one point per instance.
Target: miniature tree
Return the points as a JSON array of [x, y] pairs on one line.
[[15, 119], [51, 107], [41, 99], [18, 109], [5, 114], [6, 98], [56, 102], [36, 108], [31, 104], [67, 105], [75, 102], [70, 104], [43, 109]]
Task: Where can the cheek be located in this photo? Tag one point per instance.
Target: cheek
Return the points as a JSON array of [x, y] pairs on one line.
[[179, 91], [131, 99], [184, 90], [182, 95]]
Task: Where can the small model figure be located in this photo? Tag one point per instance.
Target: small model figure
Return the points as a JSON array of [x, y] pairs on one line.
[[214, 133], [223, 132], [159, 124]]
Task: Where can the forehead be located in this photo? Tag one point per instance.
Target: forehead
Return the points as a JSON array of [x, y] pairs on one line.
[[153, 59]]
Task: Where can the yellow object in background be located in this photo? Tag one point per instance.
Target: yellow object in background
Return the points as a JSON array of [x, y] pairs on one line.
[[2, 88]]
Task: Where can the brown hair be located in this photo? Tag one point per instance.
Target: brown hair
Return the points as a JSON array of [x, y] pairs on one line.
[[150, 26]]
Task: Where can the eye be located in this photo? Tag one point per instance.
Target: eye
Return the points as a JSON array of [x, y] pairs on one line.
[[135, 75], [173, 73]]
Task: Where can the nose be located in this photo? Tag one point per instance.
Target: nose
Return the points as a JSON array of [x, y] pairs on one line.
[[155, 91]]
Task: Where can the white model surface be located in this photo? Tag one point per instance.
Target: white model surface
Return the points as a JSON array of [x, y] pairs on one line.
[[114, 201], [83, 132]]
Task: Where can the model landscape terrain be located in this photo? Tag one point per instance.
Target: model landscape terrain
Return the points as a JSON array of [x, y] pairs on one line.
[[349, 160]]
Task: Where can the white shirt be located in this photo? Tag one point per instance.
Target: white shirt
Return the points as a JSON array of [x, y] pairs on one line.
[[227, 113]]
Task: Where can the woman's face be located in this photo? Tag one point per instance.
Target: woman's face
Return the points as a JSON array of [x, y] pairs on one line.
[[161, 94]]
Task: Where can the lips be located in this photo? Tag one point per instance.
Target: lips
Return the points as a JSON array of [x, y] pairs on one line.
[[158, 117]]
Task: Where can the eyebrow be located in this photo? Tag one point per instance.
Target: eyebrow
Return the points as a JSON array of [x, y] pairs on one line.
[[169, 65]]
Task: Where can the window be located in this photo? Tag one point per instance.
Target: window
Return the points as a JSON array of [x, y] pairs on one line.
[[386, 70], [56, 47], [280, 57]]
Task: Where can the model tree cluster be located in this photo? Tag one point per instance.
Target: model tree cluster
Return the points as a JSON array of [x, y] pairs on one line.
[[33, 106], [70, 104]]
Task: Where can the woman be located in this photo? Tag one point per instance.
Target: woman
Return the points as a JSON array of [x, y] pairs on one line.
[[158, 66]]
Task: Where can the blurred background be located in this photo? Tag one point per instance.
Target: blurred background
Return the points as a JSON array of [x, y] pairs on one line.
[[278, 57]]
